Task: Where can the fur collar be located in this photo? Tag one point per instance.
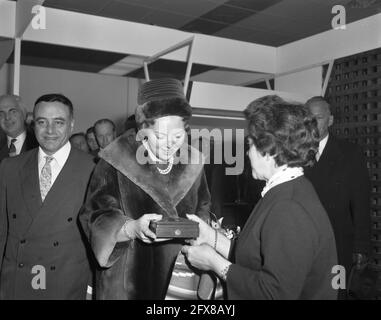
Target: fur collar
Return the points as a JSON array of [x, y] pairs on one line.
[[122, 156]]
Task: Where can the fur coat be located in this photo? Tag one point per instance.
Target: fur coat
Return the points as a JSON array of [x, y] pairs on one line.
[[122, 189]]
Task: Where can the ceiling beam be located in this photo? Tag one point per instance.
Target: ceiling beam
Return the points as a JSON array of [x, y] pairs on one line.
[[113, 35], [24, 14], [357, 37]]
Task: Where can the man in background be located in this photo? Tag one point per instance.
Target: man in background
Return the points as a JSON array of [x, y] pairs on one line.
[[105, 132], [78, 140], [92, 141], [130, 129], [42, 254], [12, 122], [341, 180]]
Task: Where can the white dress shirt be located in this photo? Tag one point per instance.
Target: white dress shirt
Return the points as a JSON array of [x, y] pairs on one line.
[[60, 158], [20, 139], [322, 144]]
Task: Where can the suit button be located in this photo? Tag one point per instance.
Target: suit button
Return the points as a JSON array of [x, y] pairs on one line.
[[22, 241], [21, 265], [70, 219], [53, 268], [14, 216], [56, 244]]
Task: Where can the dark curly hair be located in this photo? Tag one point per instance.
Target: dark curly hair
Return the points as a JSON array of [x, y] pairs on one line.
[[284, 130]]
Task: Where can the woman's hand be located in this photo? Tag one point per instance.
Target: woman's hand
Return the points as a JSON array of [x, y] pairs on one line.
[[200, 256], [140, 228], [207, 233], [205, 258]]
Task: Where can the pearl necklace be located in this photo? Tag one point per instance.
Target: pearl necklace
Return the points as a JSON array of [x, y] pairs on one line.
[[154, 158], [167, 170]]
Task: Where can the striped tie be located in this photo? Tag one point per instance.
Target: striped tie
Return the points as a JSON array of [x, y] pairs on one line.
[[46, 177], [12, 148]]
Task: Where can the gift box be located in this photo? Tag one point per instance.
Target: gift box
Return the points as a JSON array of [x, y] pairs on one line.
[[175, 228]]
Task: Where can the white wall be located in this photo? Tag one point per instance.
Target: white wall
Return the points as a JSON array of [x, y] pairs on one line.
[[94, 96], [218, 96], [307, 82]]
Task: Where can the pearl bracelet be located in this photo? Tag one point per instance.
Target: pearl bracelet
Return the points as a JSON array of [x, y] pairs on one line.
[[224, 272], [215, 239]]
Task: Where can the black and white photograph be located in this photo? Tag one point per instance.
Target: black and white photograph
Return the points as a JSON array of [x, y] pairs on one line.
[[190, 154]]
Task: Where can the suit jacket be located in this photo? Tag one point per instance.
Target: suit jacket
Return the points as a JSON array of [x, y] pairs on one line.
[[341, 180], [29, 144], [45, 234], [122, 189], [286, 249]]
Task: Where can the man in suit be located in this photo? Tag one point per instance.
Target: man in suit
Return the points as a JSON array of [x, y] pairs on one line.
[[105, 132], [42, 253], [341, 180], [12, 122]]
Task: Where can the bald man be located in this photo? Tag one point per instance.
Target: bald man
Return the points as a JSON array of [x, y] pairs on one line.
[[12, 122], [341, 180]]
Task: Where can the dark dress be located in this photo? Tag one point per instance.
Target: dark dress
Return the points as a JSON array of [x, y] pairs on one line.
[[286, 249], [122, 189]]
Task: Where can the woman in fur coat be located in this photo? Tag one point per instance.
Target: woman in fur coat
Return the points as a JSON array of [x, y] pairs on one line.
[[135, 184]]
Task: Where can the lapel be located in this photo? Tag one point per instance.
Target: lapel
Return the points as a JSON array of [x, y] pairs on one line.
[[327, 161], [4, 151], [329, 156], [63, 187], [30, 184], [122, 157], [24, 147], [65, 181]]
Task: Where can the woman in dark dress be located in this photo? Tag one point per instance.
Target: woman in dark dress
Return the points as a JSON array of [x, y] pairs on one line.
[[287, 247], [134, 184]]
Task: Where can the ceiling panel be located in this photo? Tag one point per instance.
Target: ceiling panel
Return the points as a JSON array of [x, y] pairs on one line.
[[125, 11], [85, 6], [354, 14], [256, 36], [53, 56], [254, 5], [167, 68], [299, 10], [270, 22], [193, 8], [226, 14], [203, 26], [275, 24], [227, 76], [167, 20]]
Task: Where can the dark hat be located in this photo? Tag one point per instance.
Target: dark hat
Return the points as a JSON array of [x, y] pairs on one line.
[[159, 98], [130, 123]]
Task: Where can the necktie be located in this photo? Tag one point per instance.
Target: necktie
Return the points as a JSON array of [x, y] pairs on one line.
[[12, 148], [46, 177]]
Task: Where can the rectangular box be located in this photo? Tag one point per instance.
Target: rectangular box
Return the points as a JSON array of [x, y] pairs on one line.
[[175, 228]]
